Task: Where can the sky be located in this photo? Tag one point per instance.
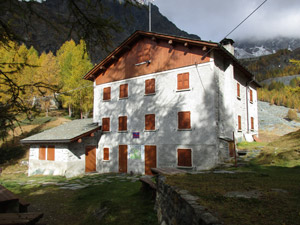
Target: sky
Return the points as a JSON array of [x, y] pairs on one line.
[[214, 19]]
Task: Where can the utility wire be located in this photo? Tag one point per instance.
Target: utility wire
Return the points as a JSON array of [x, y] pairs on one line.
[[237, 26], [245, 19]]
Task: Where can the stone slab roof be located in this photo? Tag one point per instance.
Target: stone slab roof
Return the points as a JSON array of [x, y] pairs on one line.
[[65, 133]]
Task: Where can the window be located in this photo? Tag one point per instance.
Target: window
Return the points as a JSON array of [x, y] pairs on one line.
[[251, 96], [106, 93], [42, 153], [51, 153], [150, 122], [252, 123], [47, 151], [123, 91], [183, 81], [105, 124], [105, 153], [239, 123], [184, 157], [150, 86], [184, 120], [123, 123], [238, 90]]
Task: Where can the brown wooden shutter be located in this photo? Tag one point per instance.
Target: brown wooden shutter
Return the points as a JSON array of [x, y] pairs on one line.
[[123, 91], [42, 153], [150, 122], [51, 153], [105, 124], [150, 86], [106, 93], [105, 153], [251, 96], [252, 123], [238, 90], [122, 123], [186, 82], [184, 157], [239, 123], [183, 81], [184, 120]]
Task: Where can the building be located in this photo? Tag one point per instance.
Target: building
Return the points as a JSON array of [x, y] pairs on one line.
[[167, 101]]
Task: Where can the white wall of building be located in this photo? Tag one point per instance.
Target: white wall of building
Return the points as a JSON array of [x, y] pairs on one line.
[[165, 104]]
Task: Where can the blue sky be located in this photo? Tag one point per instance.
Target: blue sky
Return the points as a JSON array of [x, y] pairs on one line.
[[213, 19]]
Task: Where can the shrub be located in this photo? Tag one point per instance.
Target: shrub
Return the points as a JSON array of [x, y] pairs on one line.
[[292, 114]]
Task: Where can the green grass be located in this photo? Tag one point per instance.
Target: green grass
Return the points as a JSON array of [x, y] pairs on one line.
[[271, 208], [126, 203], [285, 151], [250, 145]]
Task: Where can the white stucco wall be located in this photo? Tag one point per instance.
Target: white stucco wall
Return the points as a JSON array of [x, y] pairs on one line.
[[69, 158], [165, 104]]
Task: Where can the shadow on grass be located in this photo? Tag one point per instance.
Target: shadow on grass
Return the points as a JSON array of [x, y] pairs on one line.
[[124, 202]]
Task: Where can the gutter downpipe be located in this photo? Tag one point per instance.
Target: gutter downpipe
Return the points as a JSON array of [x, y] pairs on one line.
[[247, 104]]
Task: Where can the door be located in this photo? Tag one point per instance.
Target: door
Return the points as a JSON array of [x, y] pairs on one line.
[[150, 158], [90, 159], [122, 158]]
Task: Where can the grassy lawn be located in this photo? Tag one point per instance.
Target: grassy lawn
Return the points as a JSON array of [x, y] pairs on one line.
[[279, 189], [125, 202]]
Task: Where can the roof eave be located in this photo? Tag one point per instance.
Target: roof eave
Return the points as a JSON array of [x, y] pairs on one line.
[[91, 74]]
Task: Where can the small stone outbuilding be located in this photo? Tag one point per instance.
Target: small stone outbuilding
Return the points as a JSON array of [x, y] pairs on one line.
[[68, 150]]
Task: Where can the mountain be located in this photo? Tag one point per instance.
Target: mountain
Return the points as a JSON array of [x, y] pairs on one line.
[[51, 34], [255, 48]]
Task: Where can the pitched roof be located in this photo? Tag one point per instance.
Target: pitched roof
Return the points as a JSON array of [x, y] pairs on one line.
[[130, 41], [65, 133]]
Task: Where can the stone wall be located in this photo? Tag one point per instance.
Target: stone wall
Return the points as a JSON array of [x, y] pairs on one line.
[[175, 206]]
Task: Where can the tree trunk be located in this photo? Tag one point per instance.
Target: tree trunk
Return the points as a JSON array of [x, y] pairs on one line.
[[70, 110]]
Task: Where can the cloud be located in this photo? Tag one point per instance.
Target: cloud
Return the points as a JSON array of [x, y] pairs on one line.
[[212, 20]]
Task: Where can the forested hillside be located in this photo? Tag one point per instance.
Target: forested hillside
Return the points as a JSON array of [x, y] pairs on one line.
[[275, 65], [55, 21], [62, 72]]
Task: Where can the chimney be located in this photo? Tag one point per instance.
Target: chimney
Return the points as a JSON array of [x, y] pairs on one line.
[[228, 45]]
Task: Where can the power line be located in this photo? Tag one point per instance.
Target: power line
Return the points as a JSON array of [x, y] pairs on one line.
[[245, 19], [237, 26]]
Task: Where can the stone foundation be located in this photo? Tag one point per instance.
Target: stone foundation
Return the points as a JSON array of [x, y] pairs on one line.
[[178, 207]]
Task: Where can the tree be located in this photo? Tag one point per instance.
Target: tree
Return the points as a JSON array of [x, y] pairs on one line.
[[16, 18], [77, 94]]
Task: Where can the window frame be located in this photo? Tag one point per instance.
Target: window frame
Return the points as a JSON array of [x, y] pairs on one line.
[[180, 123], [103, 119], [148, 90], [121, 90], [151, 116], [238, 90], [44, 149], [108, 149], [104, 94], [239, 123], [183, 87], [191, 158], [48, 155], [251, 96], [252, 123], [122, 124]]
